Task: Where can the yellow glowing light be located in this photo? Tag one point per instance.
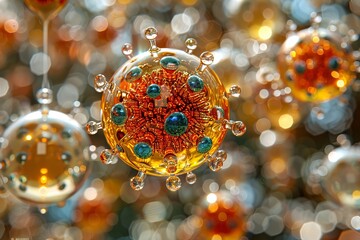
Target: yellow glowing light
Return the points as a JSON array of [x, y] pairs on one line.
[[43, 179], [43, 171], [286, 121], [43, 210], [265, 32], [316, 39], [356, 194], [213, 207], [216, 237], [335, 74], [28, 137], [293, 54], [340, 83], [278, 165]]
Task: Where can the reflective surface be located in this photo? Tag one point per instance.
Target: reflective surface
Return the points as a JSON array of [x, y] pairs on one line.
[[222, 215], [157, 110], [44, 157], [316, 65], [46, 9], [342, 181]]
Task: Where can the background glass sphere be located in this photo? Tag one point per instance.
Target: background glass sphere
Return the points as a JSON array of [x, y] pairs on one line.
[[342, 179], [316, 64], [163, 109], [44, 157], [223, 215]]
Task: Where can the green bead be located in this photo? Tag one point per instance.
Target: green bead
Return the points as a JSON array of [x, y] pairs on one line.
[[204, 145], [118, 114], [153, 91], [170, 63], [195, 83], [142, 150], [134, 74], [176, 124]]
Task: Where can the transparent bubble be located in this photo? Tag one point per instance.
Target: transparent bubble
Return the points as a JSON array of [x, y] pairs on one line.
[[151, 33], [45, 162], [342, 180], [137, 183], [191, 43], [235, 91], [44, 96], [207, 58], [190, 178], [173, 183], [127, 49]]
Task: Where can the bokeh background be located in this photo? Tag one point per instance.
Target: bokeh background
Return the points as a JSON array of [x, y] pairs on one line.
[[268, 176]]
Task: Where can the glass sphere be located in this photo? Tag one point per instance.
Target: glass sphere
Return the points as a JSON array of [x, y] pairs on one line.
[[223, 215], [46, 9], [44, 157], [341, 181], [316, 65], [160, 107]]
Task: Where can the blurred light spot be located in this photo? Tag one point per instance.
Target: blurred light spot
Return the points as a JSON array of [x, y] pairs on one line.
[[99, 23], [96, 63], [327, 220], [273, 225], [4, 87], [40, 63], [95, 110], [267, 138], [181, 23], [214, 187], [278, 165], [262, 124], [154, 211], [334, 156], [67, 95], [90, 194], [216, 237], [355, 222], [310, 231], [211, 198], [96, 5], [11, 26], [340, 83], [127, 194], [264, 93], [265, 32], [286, 121]]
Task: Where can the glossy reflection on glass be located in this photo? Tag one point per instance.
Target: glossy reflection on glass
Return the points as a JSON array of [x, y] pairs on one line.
[[44, 157], [341, 181]]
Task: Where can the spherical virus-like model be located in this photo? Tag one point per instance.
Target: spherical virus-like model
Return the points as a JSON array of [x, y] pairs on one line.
[[341, 180], [316, 64], [223, 215], [43, 157], [164, 113]]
